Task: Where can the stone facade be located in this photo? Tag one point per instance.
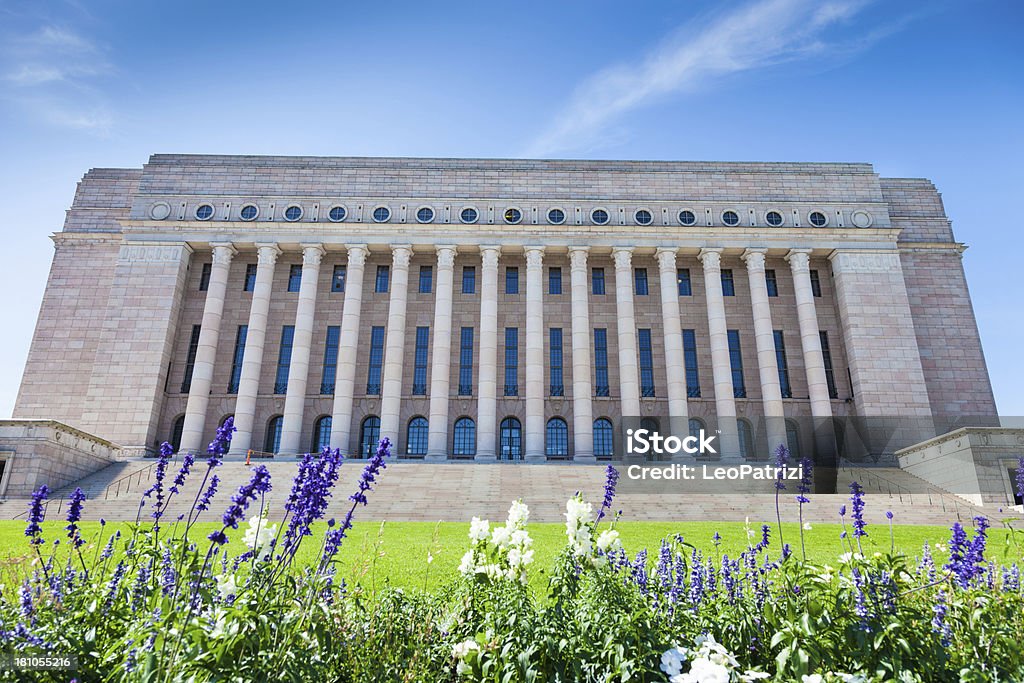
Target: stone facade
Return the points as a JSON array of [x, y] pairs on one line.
[[148, 257], [36, 452]]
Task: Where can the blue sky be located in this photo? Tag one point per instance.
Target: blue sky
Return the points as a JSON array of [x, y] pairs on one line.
[[930, 89]]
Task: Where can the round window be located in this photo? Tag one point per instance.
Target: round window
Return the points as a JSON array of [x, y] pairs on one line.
[[293, 213], [249, 212], [862, 219], [160, 210], [599, 216], [513, 215], [468, 215], [817, 219], [556, 216], [643, 217], [687, 217], [773, 218], [204, 212], [731, 218], [425, 214], [337, 213], [381, 214]]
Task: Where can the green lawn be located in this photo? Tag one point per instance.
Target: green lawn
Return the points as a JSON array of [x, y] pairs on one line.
[[396, 552]]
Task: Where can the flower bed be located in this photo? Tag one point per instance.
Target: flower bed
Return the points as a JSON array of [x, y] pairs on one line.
[[163, 602]]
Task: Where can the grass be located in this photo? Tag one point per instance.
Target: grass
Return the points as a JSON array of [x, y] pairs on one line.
[[395, 553]]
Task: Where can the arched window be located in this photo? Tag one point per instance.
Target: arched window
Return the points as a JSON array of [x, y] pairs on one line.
[[321, 433], [369, 436], [465, 438], [604, 438], [176, 429], [746, 434], [273, 441], [511, 439], [416, 437], [696, 426], [557, 438], [793, 440], [649, 423]]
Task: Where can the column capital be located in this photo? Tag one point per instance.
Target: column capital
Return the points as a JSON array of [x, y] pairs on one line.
[[578, 257], [711, 257], [312, 254], [223, 251], [357, 254], [534, 256], [489, 255], [666, 257], [754, 258], [446, 255], [400, 255], [798, 258], [623, 257], [268, 252]]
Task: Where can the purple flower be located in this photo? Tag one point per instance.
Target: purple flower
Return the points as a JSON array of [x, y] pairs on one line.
[[204, 501], [1020, 477], [36, 513], [158, 484], [958, 548], [259, 484], [366, 481], [857, 501], [806, 480], [888, 515], [74, 515], [781, 460], [310, 495], [186, 466], [222, 442], [939, 624], [611, 479]]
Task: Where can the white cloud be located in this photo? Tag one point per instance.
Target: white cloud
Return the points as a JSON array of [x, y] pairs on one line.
[[757, 35]]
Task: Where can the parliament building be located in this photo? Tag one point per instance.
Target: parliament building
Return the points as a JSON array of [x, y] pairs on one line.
[[498, 309]]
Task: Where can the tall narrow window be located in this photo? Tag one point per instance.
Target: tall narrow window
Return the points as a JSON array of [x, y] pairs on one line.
[[466, 362], [640, 281], [469, 280], [380, 285], [739, 387], [554, 280], [204, 277], [250, 277], [746, 434], [555, 361], [321, 433], [284, 359], [815, 283], [683, 280], [511, 280], [338, 279], [295, 278], [464, 442], [369, 436], [826, 356], [376, 361], [780, 360], [556, 441], [330, 370], [604, 438], [190, 359], [416, 436], [690, 360], [643, 336], [176, 431], [771, 282], [597, 280], [511, 361], [426, 279], [793, 440], [511, 439], [728, 286], [272, 442], [236, 359], [601, 361], [419, 371]]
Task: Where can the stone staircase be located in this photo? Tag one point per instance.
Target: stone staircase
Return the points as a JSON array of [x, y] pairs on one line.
[[458, 491]]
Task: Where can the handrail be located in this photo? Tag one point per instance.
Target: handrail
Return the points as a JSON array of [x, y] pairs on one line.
[[882, 482]]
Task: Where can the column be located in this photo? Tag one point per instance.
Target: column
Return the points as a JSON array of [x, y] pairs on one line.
[[629, 373], [582, 401], [394, 345], [810, 341], [440, 366], [298, 369], [534, 437], [252, 358], [487, 403], [764, 341], [721, 368], [202, 372], [675, 368], [348, 339]]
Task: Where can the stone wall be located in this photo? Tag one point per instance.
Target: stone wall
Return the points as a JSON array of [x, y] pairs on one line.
[[48, 452]]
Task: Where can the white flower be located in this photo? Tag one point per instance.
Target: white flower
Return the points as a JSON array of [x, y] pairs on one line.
[[672, 660], [226, 585], [851, 678], [518, 514], [259, 536], [500, 536], [467, 566], [807, 526], [430, 558], [751, 676], [609, 540], [462, 650], [845, 558], [703, 671], [521, 538], [479, 529], [812, 678]]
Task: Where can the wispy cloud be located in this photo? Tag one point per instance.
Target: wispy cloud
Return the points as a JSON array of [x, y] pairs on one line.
[[756, 35], [52, 74]]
